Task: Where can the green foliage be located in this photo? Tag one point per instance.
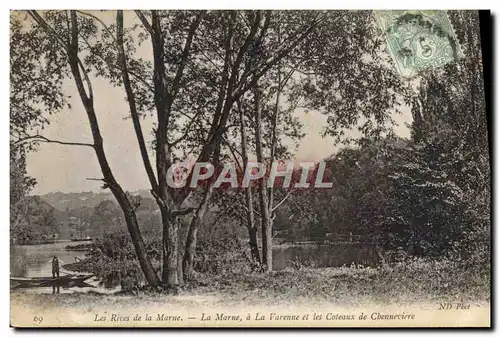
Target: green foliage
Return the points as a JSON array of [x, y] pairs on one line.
[[38, 222], [441, 188], [220, 248], [428, 206], [346, 77], [37, 71], [20, 186], [417, 280], [107, 217], [18, 261], [112, 257], [422, 197], [429, 195]]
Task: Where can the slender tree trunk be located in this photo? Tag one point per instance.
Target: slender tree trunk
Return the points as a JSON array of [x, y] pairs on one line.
[[135, 234], [108, 177], [163, 159], [274, 120], [224, 106], [180, 256], [163, 102], [170, 240], [254, 245], [274, 140], [252, 229], [266, 224], [191, 239]]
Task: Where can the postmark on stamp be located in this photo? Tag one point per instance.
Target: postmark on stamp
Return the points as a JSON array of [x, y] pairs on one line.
[[419, 40]]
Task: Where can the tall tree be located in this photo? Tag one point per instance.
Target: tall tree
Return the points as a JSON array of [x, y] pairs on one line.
[[238, 81], [449, 111], [59, 34], [344, 76]]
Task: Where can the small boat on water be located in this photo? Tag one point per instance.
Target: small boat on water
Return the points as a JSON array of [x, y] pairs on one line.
[[35, 242], [65, 281], [82, 239]]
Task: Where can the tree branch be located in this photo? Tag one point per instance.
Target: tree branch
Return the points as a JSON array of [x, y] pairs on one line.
[[38, 138], [229, 99], [228, 46], [282, 200], [158, 199], [112, 65], [246, 208], [267, 64], [183, 211], [110, 33], [233, 152], [71, 49], [192, 119], [144, 21], [131, 101], [185, 54]]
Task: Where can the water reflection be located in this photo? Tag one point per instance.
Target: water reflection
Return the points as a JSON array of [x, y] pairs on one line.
[[324, 255], [35, 261], [110, 281]]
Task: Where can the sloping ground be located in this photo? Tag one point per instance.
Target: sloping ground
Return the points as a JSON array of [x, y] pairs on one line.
[[404, 283], [415, 282]]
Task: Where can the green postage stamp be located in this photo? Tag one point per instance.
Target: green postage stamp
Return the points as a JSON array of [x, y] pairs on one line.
[[418, 39]]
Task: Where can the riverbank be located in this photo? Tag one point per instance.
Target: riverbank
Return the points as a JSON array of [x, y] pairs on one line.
[[435, 292], [334, 291], [400, 284]]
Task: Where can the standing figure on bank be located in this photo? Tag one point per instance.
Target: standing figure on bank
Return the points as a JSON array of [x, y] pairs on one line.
[[55, 267], [55, 273]]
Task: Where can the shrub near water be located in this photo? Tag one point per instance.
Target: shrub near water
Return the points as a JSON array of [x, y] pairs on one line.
[[18, 261], [113, 259]]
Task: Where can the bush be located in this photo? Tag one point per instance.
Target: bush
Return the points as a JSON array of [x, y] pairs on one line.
[[114, 260], [18, 261], [219, 249]]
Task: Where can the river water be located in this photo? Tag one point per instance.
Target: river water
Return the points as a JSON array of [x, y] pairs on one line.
[[36, 261]]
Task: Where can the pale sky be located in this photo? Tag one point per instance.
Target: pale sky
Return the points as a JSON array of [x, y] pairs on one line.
[[65, 168]]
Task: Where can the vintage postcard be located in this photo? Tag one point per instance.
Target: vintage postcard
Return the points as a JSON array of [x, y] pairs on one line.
[[248, 168]]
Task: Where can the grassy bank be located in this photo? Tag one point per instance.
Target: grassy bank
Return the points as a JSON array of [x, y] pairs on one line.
[[415, 281], [412, 282]]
